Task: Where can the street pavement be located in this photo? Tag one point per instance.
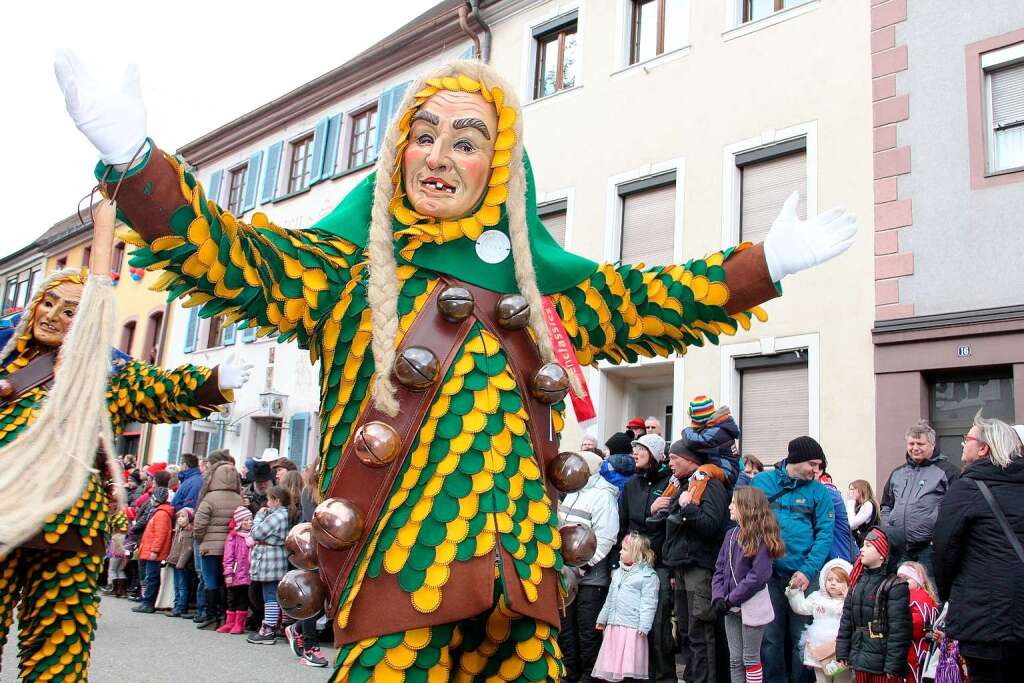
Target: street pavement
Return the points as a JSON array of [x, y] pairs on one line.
[[131, 648]]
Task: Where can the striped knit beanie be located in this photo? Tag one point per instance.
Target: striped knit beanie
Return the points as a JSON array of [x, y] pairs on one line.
[[240, 515], [877, 538], [701, 410]]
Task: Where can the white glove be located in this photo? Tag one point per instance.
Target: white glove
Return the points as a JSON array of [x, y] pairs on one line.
[[113, 120], [793, 245], [233, 374]]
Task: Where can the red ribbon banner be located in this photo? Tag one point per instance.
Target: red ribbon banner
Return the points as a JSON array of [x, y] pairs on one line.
[[566, 356]]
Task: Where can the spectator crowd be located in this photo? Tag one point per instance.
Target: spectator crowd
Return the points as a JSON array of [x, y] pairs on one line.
[[709, 567]]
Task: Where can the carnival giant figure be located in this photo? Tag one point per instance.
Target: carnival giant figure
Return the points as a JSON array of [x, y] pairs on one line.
[[62, 394], [423, 296]]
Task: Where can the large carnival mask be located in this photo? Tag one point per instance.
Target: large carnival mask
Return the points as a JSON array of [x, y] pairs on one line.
[[53, 314]]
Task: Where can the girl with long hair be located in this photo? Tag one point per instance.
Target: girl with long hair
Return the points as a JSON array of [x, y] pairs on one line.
[[924, 608], [861, 509], [292, 481], [739, 587]]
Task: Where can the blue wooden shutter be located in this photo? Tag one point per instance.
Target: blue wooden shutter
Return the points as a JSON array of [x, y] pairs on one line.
[[319, 145], [192, 330], [298, 435], [228, 335], [213, 191], [249, 334], [271, 170], [174, 445], [331, 148], [252, 181], [386, 109]]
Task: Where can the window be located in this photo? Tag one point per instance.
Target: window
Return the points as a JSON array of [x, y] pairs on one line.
[[62, 262], [768, 175], [955, 399], [153, 329], [557, 56], [236, 189], [774, 399], [213, 332], [301, 164], [553, 215], [648, 219], [759, 9], [200, 443], [117, 258], [1004, 95], [362, 139], [127, 337], [656, 27], [19, 289], [86, 257], [11, 296]]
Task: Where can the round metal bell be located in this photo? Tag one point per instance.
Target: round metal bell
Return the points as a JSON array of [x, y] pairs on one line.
[[571, 579], [337, 523], [301, 547], [579, 543], [376, 444], [417, 368], [301, 594], [569, 472], [550, 384], [455, 304], [513, 312]]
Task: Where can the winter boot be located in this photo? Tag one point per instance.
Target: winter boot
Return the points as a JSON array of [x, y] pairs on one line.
[[238, 627], [212, 617], [120, 588], [229, 622]]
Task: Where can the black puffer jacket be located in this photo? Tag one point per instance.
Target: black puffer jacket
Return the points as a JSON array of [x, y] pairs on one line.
[[854, 644], [635, 506], [976, 569], [694, 533]]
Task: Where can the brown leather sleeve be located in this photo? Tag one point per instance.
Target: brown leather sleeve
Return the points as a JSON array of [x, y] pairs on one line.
[[150, 197], [209, 394], [746, 274]]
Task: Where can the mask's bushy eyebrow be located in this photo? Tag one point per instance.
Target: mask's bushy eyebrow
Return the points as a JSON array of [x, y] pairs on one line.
[[472, 123], [428, 116]]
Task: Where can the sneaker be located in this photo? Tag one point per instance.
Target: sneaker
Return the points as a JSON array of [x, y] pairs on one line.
[[294, 639], [144, 609], [312, 657], [265, 636]]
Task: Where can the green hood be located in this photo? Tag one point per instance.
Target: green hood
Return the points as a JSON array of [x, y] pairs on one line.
[[557, 269]]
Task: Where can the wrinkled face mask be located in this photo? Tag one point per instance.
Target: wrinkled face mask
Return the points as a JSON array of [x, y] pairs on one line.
[[52, 316]]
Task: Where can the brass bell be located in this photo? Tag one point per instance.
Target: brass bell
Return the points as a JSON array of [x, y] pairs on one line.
[[571, 580], [301, 547], [550, 384], [569, 472], [337, 524], [376, 444], [417, 368], [579, 543], [455, 304], [513, 312], [301, 594]]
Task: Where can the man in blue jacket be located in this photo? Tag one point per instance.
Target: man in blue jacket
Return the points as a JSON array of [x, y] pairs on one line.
[[806, 518], [190, 480]]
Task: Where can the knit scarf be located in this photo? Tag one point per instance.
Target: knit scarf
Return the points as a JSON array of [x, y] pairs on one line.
[[701, 478]]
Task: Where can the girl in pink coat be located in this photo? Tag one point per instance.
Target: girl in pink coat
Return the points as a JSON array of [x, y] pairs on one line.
[[236, 571]]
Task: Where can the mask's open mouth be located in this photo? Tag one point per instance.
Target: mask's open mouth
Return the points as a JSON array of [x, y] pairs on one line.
[[433, 184]]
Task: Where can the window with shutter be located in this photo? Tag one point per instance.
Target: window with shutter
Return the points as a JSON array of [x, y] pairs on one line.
[[1006, 117], [192, 330], [766, 182], [362, 138], [174, 445], [648, 220], [252, 178], [774, 408], [554, 216], [270, 173], [236, 189], [200, 444], [228, 335], [249, 334]]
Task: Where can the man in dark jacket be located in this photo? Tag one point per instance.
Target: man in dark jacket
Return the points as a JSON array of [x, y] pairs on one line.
[[911, 498], [695, 529], [640, 492], [976, 568], [254, 495], [190, 480]]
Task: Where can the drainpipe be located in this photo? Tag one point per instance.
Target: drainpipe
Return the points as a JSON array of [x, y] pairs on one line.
[[485, 47], [464, 25]]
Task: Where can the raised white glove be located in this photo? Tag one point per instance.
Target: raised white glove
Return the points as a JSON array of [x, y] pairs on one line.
[[233, 374], [793, 245], [113, 120]]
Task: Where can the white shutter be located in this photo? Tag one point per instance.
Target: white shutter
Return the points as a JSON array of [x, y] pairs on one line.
[[766, 185], [1008, 96], [555, 223], [648, 222], [773, 410]]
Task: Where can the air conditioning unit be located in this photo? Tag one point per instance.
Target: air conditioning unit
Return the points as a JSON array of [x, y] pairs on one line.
[[273, 404]]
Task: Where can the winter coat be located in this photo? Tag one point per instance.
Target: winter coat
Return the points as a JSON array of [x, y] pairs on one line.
[[181, 548], [824, 610], [268, 560], [632, 598], [257, 500], [236, 560], [976, 569], [923, 612], [716, 444], [595, 506], [806, 517], [635, 506], [189, 483], [854, 644], [737, 577], [217, 508], [911, 498], [694, 533], [842, 537], [618, 469], [157, 536]]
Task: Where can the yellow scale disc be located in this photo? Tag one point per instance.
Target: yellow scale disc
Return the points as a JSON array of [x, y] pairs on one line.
[[445, 553], [437, 576], [417, 639], [427, 599], [511, 669], [531, 650]]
